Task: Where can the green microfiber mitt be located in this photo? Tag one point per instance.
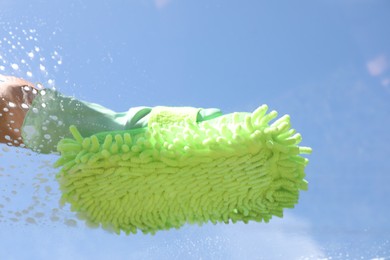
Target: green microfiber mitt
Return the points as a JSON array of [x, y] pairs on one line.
[[236, 167]]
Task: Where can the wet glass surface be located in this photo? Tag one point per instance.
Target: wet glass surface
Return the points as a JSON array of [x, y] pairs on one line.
[[325, 63]]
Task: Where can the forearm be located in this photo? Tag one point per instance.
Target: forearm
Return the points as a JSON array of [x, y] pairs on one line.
[[16, 96]]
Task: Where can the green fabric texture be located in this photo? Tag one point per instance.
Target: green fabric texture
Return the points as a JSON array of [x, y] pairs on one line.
[[171, 115], [51, 114], [236, 167]]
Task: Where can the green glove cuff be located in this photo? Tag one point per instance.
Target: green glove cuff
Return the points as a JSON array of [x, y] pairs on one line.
[[51, 114]]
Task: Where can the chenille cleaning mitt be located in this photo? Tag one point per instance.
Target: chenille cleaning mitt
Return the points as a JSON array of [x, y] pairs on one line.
[[236, 167]]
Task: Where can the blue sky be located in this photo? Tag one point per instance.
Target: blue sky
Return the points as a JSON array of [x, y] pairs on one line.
[[326, 63]]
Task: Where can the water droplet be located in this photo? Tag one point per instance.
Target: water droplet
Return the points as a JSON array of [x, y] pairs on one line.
[[36, 48], [41, 67], [29, 73], [54, 218], [70, 223], [25, 106], [30, 54], [15, 66], [39, 214], [11, 104], [47, 136], [31, 221], [5, 109], [48, 189]]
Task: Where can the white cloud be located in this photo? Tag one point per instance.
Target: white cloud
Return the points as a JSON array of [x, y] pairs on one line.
[[377, 65], [287, 238], [386, 82], [160, 4]]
